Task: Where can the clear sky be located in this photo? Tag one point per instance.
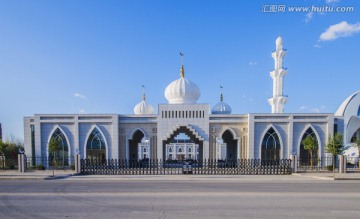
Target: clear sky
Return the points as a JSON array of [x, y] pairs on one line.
[[93, 56]]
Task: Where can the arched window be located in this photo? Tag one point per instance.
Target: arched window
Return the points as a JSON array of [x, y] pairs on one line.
[[270, 147], [58, 149], [358, 112], [95, 146], [170, 150], [189, 150], [144, 150], [304, 154], [180, 150]]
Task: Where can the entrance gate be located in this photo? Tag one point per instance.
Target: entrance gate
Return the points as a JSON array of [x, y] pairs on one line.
[[173, 167]]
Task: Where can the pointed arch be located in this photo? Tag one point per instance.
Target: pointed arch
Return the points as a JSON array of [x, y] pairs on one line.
[[129, 142], [303, 132], [65, 153], [232, 131], [96, 134], [232, 144], [351, 128], [131, 136], [271, 144]]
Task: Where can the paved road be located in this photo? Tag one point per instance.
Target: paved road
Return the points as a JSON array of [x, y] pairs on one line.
[[243, 197]]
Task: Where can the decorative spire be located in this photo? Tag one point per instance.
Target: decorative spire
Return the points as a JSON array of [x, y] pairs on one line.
[[182, 70], [221, 94], [143, 93], [278, 100]]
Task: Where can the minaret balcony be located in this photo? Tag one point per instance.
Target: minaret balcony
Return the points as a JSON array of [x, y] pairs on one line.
[[279, 54], [278, 73]]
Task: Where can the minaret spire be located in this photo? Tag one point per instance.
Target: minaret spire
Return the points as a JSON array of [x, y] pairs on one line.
[[182, 70], [278, 101]]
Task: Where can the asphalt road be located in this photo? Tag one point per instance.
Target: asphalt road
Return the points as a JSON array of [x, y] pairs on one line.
[[234, 198]]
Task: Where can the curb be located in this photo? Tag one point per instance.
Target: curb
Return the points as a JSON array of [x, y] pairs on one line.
[[44, 177], [61, 176]]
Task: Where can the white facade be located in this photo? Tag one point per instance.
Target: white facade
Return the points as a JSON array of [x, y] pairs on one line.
[[185, 129]]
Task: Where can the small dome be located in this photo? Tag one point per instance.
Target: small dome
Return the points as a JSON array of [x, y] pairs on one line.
[[182, 91], [221, 107], [279, 41], [143, 108]]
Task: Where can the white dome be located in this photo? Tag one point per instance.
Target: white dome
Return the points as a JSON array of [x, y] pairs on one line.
[[182, 91], [221, 107], [143, 108], [279, 41]]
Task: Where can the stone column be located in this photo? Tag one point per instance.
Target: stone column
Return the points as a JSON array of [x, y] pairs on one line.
[[342, 164], [77, 163], [22, 163]]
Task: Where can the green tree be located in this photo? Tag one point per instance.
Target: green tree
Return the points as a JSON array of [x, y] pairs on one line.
[[335, 147], [310, 144], [54, 148], [9, 148]]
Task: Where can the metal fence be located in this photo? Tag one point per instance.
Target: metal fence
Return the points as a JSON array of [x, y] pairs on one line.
[[352, 164], [8, 163], [318, 164], [206, 167], [42, 163]]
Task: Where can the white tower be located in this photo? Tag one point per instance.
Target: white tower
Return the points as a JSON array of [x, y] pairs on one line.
[[278, 101]]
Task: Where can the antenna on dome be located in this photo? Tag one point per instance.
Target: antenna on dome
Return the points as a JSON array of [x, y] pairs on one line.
[[221, 93], [143, 92], [182, 70]]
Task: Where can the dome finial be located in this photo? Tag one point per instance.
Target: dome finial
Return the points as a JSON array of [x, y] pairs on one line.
[[221, 94], [142, 107], [182, 70], [143, 93], [221, 107]]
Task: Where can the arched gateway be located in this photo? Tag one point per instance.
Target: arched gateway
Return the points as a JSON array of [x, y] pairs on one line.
[[182, 145]]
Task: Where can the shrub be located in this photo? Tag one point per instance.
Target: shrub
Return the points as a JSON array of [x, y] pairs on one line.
[[329, 167], [40, 167]]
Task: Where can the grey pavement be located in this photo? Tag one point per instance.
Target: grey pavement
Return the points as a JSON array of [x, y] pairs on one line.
[[291, 196], [35, 174], [72, 175]]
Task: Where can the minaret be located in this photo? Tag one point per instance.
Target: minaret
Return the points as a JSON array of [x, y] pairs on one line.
[[278, 101]]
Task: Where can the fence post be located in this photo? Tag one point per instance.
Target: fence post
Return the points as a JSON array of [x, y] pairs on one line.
[[21, 163], [77, 163], [342, 164], [294, 161]]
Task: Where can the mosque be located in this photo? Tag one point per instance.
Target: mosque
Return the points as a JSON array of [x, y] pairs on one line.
[[185, 129]]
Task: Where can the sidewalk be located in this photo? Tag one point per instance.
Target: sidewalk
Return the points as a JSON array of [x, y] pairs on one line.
[[329, 175], [70, 174], [35, 174]]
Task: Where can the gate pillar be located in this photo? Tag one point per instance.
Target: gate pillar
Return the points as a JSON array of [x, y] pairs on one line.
[[294, 162]]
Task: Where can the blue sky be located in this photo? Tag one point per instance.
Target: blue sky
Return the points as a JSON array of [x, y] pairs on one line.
[[93, 56]]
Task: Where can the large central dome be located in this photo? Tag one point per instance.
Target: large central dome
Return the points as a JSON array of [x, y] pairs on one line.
[[182, 90]]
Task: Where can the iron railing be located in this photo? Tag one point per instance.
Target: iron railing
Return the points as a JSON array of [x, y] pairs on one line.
[[205, 167], [318, 164], [352, 164], [8, 163], [42, 163]]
